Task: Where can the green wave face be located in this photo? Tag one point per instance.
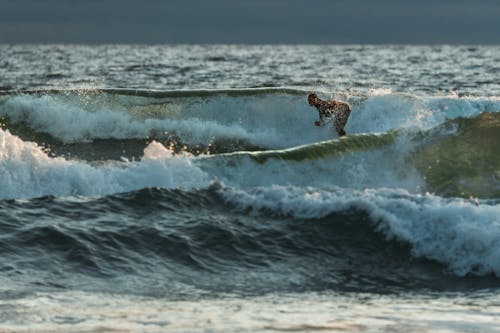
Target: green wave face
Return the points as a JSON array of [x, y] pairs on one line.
[[326, 149], [466, 164]]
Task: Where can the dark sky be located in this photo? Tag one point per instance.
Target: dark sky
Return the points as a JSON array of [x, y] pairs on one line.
[[250, 21]]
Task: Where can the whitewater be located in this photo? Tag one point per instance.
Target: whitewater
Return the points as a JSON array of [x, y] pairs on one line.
[[182, 186]]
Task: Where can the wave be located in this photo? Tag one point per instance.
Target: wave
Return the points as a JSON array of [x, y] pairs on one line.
[[270, 118], [30, 171], [261, 239], [71, 117], [457, 159], [460, 233]]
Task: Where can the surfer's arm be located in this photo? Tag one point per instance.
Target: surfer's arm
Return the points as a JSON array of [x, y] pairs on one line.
[[320, 122], [323, 120]]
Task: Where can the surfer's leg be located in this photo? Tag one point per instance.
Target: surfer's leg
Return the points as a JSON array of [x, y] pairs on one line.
[[341, 119], [339, 129]]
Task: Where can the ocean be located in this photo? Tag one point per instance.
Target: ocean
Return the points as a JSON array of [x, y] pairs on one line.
[[185, 188]]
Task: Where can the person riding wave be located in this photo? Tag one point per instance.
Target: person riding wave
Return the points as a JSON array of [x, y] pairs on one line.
[[329, 111]]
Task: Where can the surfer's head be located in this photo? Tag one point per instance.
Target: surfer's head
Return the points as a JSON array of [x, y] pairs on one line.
[[312, 99]]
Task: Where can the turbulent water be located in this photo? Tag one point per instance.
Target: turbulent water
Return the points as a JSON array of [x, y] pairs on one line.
[[185, 188]]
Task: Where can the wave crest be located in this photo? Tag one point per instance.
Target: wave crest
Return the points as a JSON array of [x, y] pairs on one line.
[[462, 234]]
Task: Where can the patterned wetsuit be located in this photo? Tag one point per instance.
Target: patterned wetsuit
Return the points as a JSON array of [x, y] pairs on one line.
[[332, 110]]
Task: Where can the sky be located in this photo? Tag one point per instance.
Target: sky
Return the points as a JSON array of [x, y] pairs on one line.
[[250, 21]]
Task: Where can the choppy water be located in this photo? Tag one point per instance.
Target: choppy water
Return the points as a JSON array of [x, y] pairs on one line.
[[185, 188]]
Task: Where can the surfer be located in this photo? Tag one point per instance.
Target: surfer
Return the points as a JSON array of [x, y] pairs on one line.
[[335, 111]]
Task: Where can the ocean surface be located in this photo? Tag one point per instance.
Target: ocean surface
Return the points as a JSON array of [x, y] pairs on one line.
[[186, 189]]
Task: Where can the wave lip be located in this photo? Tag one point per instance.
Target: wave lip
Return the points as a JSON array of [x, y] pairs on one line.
[[320, 150]]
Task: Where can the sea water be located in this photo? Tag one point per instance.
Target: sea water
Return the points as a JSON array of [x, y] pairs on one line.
[[186, 189]]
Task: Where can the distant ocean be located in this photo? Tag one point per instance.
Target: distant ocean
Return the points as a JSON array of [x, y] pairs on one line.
[[186, 189]]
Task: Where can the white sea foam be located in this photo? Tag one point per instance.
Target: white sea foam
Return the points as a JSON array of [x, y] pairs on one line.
[[73, 122], [85, 311], [27, 171], [463, 234], [383, 112]]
